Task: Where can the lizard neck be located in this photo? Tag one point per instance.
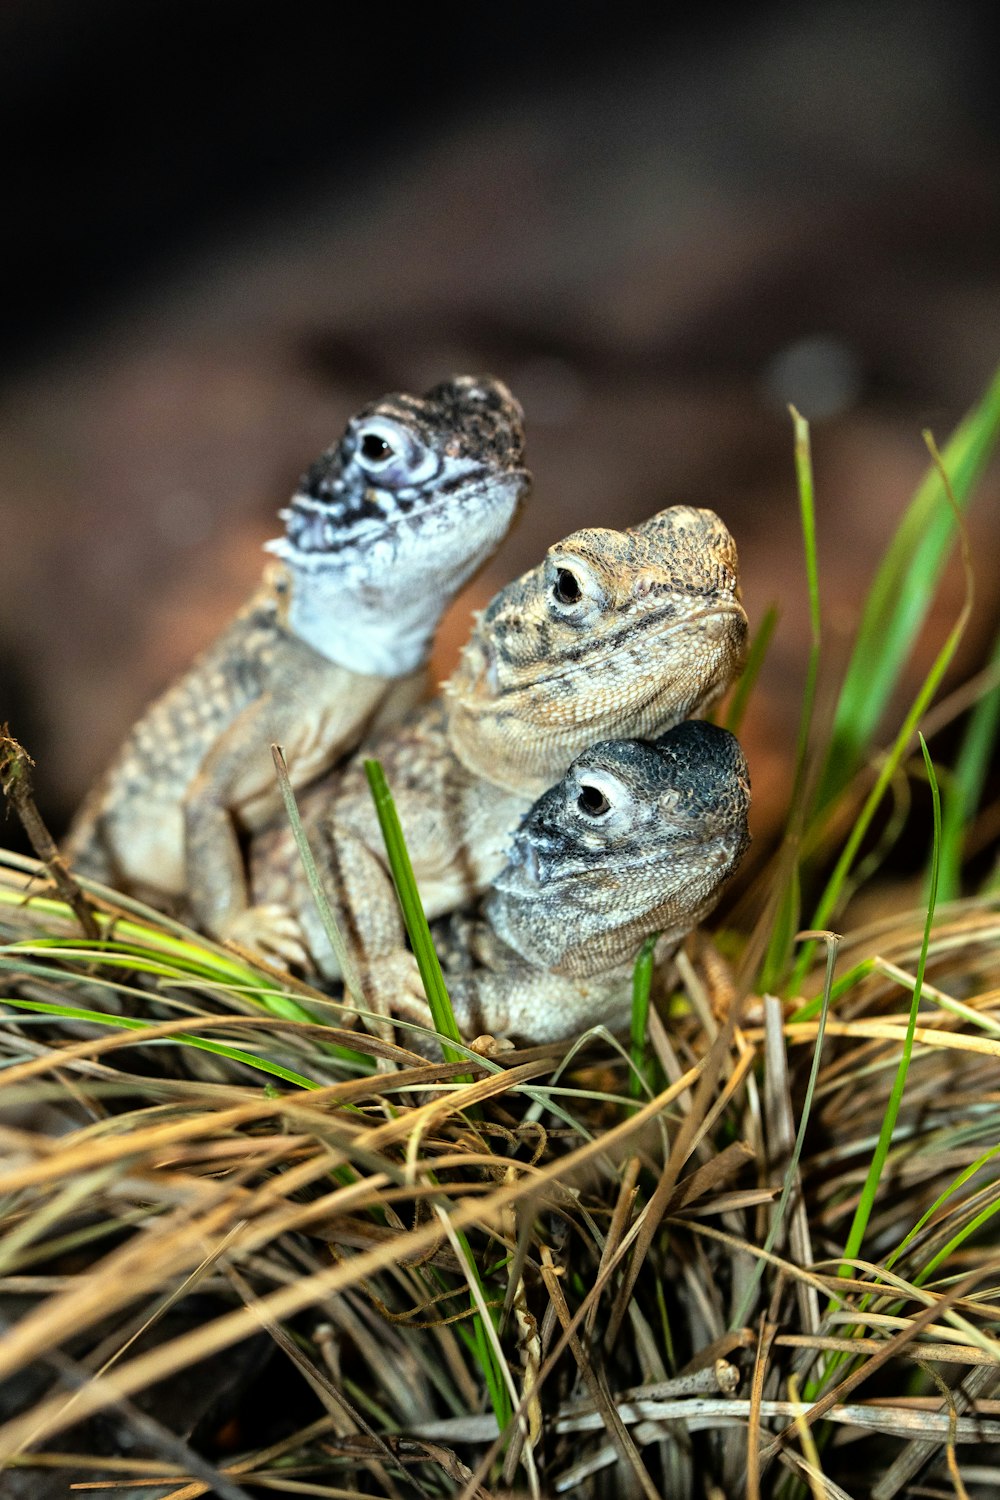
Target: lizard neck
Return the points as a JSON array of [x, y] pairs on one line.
[[359, 627]]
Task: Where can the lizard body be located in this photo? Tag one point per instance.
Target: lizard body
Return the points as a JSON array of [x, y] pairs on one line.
[[383, 531], [616, 634]]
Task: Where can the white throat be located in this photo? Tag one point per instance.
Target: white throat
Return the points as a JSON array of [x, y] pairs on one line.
[[362, 628]]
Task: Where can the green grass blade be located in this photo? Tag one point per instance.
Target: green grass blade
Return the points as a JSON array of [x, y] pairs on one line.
[[902, 591], [785, 914], [866, 1202], [642, 979], [939, 1203], [833, 890], [479, 1340], [755, 660], [965, 787], [787, 907], [129, 1023], [413, 912], [956, 1241]]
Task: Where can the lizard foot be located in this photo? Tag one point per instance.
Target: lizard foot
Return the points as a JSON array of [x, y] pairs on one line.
[[273, 932], [395, 987], [401, 989]]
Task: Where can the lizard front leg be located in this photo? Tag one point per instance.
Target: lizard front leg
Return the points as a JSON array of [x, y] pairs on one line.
[[317, 717], [530, 1005], [524, 1004], [237, 771]]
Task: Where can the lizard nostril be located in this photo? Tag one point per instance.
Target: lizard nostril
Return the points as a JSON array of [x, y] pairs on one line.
[[716, 627]]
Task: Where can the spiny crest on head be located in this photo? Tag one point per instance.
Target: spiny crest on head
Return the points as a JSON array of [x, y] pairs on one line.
[[692, 548], [476, 416]]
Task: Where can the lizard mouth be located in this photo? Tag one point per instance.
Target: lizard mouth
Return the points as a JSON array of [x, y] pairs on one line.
[[708, 855], [527, 863], [523, 865], [363, 519]]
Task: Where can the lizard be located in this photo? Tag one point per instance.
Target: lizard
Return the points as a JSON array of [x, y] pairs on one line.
[[382, 532], [616, 634], [637, 838]]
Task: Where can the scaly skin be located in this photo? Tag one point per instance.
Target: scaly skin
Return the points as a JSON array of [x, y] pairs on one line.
[[637, 838], [617, 634], [384, 530]]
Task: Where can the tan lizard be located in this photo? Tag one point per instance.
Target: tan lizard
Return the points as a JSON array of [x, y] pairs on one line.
[[617, 634], [384, 530], [637, 838]]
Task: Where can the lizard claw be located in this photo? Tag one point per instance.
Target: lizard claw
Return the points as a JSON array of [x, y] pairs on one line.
[[491, 1046], [273, 932]]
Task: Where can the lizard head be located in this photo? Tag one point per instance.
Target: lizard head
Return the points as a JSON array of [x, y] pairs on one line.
[[387, 526], [638, 837], [617, 634], [412, 475]]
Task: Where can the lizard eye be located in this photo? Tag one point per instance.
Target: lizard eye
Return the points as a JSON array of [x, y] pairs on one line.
[[392, 454], [592, 801], [567, 588], [374, 448], [574, 592]]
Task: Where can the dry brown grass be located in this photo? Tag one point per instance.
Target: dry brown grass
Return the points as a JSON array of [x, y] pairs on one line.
[[615, 1248]]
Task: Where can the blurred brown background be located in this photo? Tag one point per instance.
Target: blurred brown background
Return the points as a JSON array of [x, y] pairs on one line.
[[229, 225]]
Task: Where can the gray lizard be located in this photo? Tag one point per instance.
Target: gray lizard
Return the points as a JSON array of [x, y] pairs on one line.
[[384, 530], [637, 838]]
